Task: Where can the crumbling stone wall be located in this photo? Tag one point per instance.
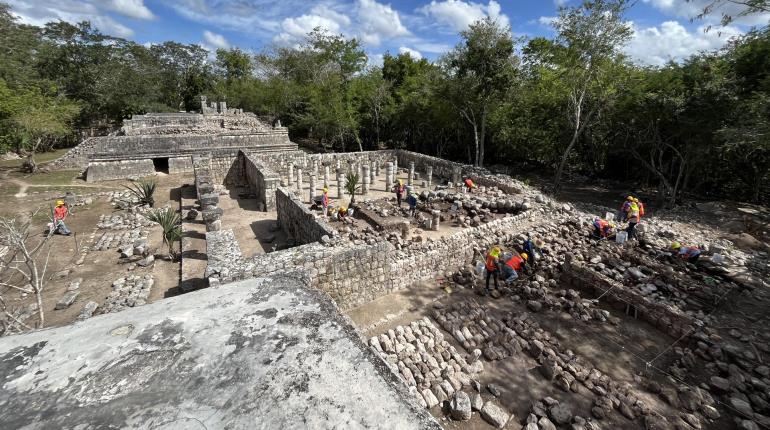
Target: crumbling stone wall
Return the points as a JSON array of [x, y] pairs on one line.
[[442, 168], [179, 165], [665, 317], [208, 197], [356, 274], [107, 170], [261, 181], [298, 221]]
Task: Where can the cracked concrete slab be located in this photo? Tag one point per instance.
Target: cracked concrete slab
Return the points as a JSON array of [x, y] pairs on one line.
[[262, 353]]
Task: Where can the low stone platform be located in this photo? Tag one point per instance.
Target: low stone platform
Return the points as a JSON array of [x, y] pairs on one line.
[[262, 353]]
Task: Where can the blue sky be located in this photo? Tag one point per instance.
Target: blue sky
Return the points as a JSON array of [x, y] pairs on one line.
[[424, 28]]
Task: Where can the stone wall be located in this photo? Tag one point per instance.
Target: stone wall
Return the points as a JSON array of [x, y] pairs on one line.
[[179, 165], [261, 181], [298, 221], [107, 170], [442, 168], [357, 274], [208, 197], [154, 146], [665, 317]]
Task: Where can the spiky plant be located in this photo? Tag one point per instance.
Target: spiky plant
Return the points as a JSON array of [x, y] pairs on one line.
[[144, 190], [351, 185], [171, 223]]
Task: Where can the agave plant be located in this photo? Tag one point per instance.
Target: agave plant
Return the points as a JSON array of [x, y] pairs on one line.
[[351, 185], [144, 191], [171, 223]]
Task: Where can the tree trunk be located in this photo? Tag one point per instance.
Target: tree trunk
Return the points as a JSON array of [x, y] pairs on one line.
[[564, 156], [476, 143], [483, 135]]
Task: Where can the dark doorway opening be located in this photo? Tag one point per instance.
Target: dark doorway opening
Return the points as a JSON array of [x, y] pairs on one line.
[[160, 164]]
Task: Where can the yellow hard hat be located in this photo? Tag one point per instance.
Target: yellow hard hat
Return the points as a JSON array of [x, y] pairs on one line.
[[495, 251], [636, 200], [524, 256], [60, 203], [326, 190], [400, 182], [630, 198], [676, 245]]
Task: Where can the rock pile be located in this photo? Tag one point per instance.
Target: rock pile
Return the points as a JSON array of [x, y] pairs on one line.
[[431, 367], [124, 240], [128, 292]]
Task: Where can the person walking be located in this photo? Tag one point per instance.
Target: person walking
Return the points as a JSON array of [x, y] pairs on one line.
[[531, 248], [411, 200]]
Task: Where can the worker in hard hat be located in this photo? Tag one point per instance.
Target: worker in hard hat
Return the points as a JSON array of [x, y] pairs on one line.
[[531, 248], [491, 264], [603, 228], [623, 214], [60, 213], [469, 185], [512, 265], [640, 205], [690, 254], [325, 201], [633, 220], [399, 189]]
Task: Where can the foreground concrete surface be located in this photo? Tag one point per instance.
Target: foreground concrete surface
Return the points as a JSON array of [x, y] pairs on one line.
[[263, 353]]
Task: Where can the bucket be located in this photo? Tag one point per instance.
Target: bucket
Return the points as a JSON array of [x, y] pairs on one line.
[[621, 237], [609, 216]]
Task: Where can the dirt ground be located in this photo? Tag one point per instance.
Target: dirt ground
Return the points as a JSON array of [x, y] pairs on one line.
[[25, 194]]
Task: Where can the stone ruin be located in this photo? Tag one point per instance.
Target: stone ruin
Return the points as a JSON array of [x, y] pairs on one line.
[[435, 363], [165, 142]]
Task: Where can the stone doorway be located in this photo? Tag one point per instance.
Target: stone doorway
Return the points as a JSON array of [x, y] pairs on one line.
[[160, 165]]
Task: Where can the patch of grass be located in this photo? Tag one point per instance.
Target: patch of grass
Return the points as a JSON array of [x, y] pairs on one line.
[[7, 189], [39, 158], [57, 177]]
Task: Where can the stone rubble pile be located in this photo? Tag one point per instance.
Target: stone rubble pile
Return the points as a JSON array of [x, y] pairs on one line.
[[124, 221], [120, 240], [128, 292], [431, 367]]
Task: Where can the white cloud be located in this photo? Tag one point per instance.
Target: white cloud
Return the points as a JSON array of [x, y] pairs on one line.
[[433, 48], [40, 12], [296, 28], [374, 60], [412, 52], [690, 9], [377, 21], [672, 41], [130, 8], [547, 20], [458, 14], [215, 41]]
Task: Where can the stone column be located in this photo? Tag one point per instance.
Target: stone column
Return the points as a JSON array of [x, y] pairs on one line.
[[338, 164], [299, 182], [365, 179], [326, 176], [291, 173], [436, 218], [340, 177], [372, 176], [315, 167], [411, 173], [429, 175], [388, 176], [377, 169], [312, 188], [457, 175]]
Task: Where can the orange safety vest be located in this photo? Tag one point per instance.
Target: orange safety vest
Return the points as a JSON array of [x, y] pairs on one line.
[[469, 183], [325, 200], [515, 262], [641, 210], [491, 266], [59, 212]]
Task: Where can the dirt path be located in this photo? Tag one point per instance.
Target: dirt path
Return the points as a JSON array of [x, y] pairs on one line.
[[24, 186]]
